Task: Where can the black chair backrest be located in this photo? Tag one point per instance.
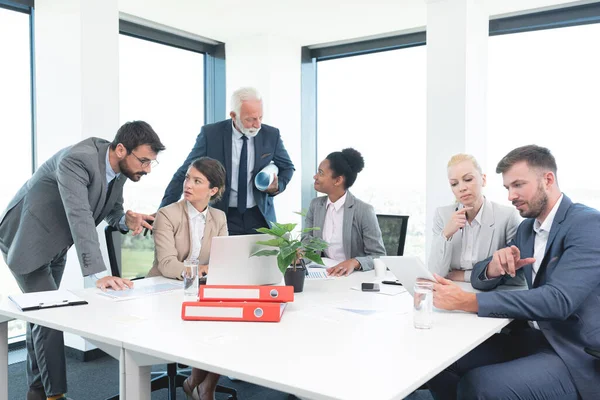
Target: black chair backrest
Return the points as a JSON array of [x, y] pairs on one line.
[[393, 230], [109, 234], [136, 253]]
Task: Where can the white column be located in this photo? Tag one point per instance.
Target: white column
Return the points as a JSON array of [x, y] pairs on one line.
[[457, 37], [272, 65], [77, 86]]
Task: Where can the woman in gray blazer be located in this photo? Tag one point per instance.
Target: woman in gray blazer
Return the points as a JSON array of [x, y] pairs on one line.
[[471, 229], [346, 223]]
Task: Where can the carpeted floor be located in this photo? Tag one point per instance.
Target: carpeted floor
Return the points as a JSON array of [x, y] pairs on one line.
[[99, 379]]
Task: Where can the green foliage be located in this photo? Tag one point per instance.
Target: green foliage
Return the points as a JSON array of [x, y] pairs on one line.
[[289, 249]]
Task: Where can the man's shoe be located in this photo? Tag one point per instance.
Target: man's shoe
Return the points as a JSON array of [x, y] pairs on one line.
[[36, 394]]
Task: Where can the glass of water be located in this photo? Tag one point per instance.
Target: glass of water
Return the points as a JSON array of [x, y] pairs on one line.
[[190, 279], [423, 305]]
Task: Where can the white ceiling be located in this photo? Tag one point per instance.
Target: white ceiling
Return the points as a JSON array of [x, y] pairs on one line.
[[308, 22]]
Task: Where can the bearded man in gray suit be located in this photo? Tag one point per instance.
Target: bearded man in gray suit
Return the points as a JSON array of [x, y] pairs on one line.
[[61, 205]]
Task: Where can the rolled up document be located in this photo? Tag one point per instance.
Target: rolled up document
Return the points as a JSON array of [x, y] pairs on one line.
[[265, 177]]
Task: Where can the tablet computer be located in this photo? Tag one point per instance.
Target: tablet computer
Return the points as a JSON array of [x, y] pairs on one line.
[[407, 270]]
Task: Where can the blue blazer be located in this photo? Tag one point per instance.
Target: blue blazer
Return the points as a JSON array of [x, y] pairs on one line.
[[565, 296], [215, 141]]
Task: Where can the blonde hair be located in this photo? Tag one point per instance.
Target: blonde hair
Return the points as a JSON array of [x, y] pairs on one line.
[[458, 158]]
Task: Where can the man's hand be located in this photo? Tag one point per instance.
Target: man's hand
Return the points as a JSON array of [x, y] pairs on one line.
[[507, 261], [274, 186], [457, 275], [113, 282], [137, 222], [448, 296], [344, 268]]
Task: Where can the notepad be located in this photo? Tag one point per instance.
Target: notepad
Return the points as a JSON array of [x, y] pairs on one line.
[[48, 299]]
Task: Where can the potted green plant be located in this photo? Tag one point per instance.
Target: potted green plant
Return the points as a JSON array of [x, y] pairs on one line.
[[291, 251]]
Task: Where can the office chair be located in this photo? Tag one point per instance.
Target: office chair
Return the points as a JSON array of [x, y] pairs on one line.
[[393, 230], [170, 379]]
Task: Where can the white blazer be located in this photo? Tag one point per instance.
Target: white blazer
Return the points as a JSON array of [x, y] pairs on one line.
[[498, 227]]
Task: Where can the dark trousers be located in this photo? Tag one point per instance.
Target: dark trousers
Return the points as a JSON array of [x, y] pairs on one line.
[[246, 223], [519, 365], [46, 364]]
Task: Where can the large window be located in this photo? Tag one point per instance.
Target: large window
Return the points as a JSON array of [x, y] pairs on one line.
[[15, 124], [544, 89], [376, 103], [163, 86]]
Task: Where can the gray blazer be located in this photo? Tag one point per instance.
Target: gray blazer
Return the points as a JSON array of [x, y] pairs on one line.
[[361, 235], [61, 204], [498, 227]]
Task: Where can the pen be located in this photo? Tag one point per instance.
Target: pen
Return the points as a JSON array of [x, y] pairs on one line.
[[391, 283], [455, 211]]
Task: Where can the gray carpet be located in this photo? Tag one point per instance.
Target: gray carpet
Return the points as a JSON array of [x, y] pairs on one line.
[[99, 379]]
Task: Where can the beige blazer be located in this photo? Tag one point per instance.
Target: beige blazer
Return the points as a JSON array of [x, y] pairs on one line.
[[172, 238], [499, 225]]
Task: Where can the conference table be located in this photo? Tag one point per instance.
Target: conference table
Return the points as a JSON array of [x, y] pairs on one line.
[[333, 342]]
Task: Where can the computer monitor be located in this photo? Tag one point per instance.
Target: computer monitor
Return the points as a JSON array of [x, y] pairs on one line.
[[230, 262]]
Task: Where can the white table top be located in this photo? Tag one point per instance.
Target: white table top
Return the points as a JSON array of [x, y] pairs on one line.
[[318, 350]]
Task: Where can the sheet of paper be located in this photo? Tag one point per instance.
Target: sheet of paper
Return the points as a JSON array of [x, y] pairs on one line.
[[317, 274], [141, 291]]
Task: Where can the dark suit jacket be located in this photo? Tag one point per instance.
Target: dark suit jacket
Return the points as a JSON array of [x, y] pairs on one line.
[[61, 204], [565, 296], [215, 141]]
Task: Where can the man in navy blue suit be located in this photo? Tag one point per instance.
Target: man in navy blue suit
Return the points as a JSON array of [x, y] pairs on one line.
[[244, 146], [557, 248]]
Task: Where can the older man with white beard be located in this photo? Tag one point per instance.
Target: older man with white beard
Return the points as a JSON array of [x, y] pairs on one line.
[[244, 146]]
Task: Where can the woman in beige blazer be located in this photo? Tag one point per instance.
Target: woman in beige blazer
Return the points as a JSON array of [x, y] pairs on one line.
[[473, 227], [185, 230]]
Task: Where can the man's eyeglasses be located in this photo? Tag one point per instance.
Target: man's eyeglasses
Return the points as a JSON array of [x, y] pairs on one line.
[[145, 163]]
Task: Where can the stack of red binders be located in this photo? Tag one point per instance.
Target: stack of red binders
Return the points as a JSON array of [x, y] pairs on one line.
[[238, 303]]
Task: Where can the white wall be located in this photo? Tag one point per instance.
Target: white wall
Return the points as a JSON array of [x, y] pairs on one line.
[[77, 75], [272, 65]]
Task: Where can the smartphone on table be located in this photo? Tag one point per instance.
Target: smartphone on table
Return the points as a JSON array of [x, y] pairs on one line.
[[370, 287]]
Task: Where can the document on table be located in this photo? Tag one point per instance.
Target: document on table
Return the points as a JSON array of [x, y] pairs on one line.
[[317, 271], [141, 291], [48, 299]]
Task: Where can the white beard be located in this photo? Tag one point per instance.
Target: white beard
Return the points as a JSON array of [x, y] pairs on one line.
[[250, 132]]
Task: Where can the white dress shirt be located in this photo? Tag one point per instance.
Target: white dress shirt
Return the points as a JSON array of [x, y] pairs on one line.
[[470, 244], [333, 229], [236, 151], [197, 224], [542, 231]]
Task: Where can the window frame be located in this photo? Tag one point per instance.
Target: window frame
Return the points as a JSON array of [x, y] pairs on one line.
[[528, 21], [214, 62], [26, 7]]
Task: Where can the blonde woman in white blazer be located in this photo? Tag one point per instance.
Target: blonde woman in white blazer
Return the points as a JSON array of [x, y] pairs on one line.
[[472, 228]]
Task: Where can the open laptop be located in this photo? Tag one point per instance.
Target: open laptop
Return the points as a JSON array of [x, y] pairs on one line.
[[407, 270], [230, 262]]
